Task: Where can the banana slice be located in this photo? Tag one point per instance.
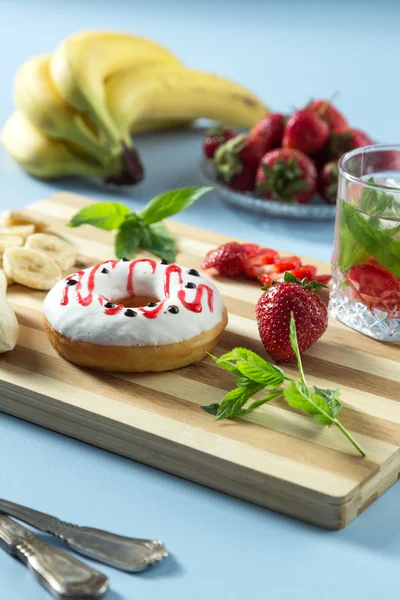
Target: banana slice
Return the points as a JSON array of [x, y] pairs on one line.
[[30, 267], [3, 280], [9, 280], [19, 230], [6, 241], [8, 218], [57, 249]]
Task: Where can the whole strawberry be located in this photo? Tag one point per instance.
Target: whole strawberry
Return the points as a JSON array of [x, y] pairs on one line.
[[346, 140], [273, 316], [328, 181], [237, 160], [305, 130], [286, 175], [227, 259], [270, 130], [334, 118], [214, 139]]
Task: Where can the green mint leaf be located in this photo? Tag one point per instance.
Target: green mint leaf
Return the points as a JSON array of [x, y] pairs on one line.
[[157, 239], [225, 364], [128, 238], [257, 403], [252, 366], [331, 397], [297, 395], [104, 215], [236, 399], [169, 203], [349, 251], [295, 346], [212, 409], [378, 243], [242, 381]]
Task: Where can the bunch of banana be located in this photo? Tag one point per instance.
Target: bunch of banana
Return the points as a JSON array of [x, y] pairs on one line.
[[78, 107], [30, 256]]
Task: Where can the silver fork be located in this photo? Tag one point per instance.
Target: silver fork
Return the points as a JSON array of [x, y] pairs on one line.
[[127, 554]]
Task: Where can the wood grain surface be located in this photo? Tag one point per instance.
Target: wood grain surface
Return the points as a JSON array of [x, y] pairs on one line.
[[277, 458]]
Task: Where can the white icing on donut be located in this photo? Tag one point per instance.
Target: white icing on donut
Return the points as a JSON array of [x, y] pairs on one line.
[[77, 305]]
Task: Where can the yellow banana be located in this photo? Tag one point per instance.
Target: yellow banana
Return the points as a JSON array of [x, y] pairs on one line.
[[46, 158], [80, 66], [174, 92], [38, 100]]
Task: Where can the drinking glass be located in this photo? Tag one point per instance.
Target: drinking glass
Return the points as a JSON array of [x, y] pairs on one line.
[[366, 259]]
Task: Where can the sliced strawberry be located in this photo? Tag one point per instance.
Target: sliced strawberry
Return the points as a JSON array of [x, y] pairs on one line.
[[287, 263], [255, 265], [306, 271], [268, 278], [227, 259], [251, 249], [375, 287]]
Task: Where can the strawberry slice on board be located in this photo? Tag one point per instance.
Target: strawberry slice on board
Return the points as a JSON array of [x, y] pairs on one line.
[[255, 264]]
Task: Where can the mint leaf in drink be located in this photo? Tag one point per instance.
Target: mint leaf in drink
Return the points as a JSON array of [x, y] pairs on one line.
[[169, 203], [128, 238], [376, 242], [104, 215], [376, 202]]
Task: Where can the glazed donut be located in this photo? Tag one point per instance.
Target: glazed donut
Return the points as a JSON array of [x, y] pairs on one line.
[[134, 316]]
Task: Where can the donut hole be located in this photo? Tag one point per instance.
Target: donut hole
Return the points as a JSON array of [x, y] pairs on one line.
[[136, 301]]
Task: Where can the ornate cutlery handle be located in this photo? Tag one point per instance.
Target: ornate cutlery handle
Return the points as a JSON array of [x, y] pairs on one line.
[[128, 554], [60, 573]]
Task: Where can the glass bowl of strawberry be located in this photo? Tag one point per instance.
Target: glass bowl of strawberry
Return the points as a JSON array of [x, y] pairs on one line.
[[286, 165], [366, 260]]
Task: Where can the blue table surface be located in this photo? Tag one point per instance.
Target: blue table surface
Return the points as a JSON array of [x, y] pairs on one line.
[[221, 547]]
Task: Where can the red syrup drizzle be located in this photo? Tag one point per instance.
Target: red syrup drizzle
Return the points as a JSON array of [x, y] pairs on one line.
[[194, 306]]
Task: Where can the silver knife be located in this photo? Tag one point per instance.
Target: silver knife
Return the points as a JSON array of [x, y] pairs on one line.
[[61, 574], [127, 554]]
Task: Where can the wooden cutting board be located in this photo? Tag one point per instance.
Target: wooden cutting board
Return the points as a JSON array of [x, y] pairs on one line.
[[278, 458]]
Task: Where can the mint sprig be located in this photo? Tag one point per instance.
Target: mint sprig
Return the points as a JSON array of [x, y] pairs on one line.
[[140, 230], [364, 230], [255, 374]]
